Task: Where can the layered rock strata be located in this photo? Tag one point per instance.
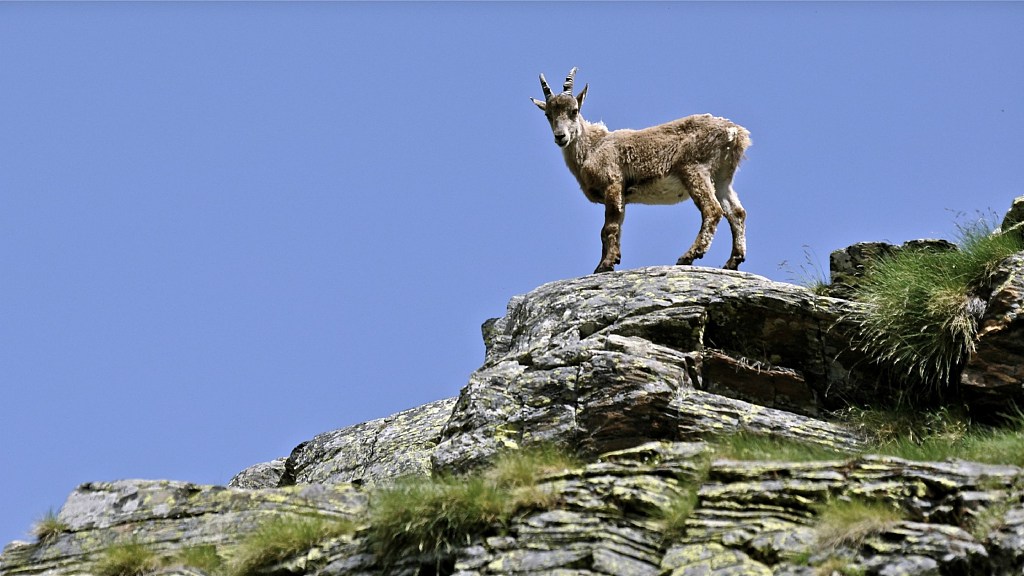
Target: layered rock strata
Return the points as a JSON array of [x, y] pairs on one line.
[[635, 371]]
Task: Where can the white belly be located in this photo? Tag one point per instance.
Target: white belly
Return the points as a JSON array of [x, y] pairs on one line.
[[667, 190]]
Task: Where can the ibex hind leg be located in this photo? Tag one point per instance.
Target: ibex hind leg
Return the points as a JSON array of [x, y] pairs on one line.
[[702, 193], [737, 218]]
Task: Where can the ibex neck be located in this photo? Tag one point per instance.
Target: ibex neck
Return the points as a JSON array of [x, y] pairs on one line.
[[577, 151]]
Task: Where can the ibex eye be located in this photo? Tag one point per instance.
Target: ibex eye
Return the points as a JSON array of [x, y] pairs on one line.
[[573, 113]]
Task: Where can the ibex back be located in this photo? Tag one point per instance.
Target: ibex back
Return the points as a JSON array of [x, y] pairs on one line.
[[693, 157]]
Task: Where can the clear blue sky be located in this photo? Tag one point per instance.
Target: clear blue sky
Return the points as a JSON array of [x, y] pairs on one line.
[[226, 228]]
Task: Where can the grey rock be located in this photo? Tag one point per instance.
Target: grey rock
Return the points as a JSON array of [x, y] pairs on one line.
[[994, 375], [1014, 216], [909, 565], [179, 571], [373, 451], [848, 265], [615, 360], [166, 516], [1005, 544], [265, 475], [916, 548], [710, 559]]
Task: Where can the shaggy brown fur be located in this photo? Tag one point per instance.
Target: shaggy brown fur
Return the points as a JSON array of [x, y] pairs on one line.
[[693, 157]]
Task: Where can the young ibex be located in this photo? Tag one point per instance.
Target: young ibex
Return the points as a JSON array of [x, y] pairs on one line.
[[693, 157]]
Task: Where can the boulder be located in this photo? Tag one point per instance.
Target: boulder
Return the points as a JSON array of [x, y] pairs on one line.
[[370, 452], [1014, 216], [614, 360], [166, 517], [366, 453], [848, 265], [263, 475], [993, 378]]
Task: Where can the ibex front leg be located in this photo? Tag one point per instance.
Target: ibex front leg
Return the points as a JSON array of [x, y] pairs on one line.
[[703, 194], [611, 233]]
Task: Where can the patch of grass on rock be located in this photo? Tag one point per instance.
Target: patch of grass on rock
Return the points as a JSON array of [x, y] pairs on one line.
[[848, 522], [127, 559], [749, 446], [283, 537], [920, 318], [432, 515], [49, 527]]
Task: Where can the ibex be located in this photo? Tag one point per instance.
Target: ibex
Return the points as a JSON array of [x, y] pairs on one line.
[[693, 157]]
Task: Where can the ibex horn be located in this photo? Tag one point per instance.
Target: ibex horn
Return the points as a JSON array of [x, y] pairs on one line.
[[567, 87], [544, 86]]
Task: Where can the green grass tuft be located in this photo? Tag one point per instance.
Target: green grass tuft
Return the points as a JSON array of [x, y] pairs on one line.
[[848, 522], [748, 446], [920, 318], [431, 515], [981, 444], [938, 435], [128, 559], [810, 274], [284, 537], [203, 557], [49, 527], [525, 467], [673, 517], [895, 425]]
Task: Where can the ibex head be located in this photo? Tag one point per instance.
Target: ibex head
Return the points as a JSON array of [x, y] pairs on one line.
[[562, 110]]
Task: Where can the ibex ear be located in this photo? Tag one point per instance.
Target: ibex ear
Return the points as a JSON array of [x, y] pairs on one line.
[[583, 94], [540, 104]]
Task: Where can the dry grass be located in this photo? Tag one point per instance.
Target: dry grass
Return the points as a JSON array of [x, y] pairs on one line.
[[432, 515], [128, 559], [283, 537], [49, 527], [848, 522]]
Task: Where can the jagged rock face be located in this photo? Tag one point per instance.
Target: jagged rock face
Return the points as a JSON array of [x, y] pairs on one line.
[[755, 518], [848, 265], [1014, 216], [167, 517], [367, 453], [748, 518], [994, 375], [664, 353], [607, 364], [373, 451], [263, 475]]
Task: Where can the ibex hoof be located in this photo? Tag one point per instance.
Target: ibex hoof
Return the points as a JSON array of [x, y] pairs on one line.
[[601, 268], [733, 264], [684, 261]]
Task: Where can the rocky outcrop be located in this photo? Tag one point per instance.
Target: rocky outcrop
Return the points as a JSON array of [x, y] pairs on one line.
[[263, 475], [372, 452], [666, 353], [994, 375], [167, 517], [847, 266], [635, 371], [367, 453], [748, 518], [1014, 216]]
